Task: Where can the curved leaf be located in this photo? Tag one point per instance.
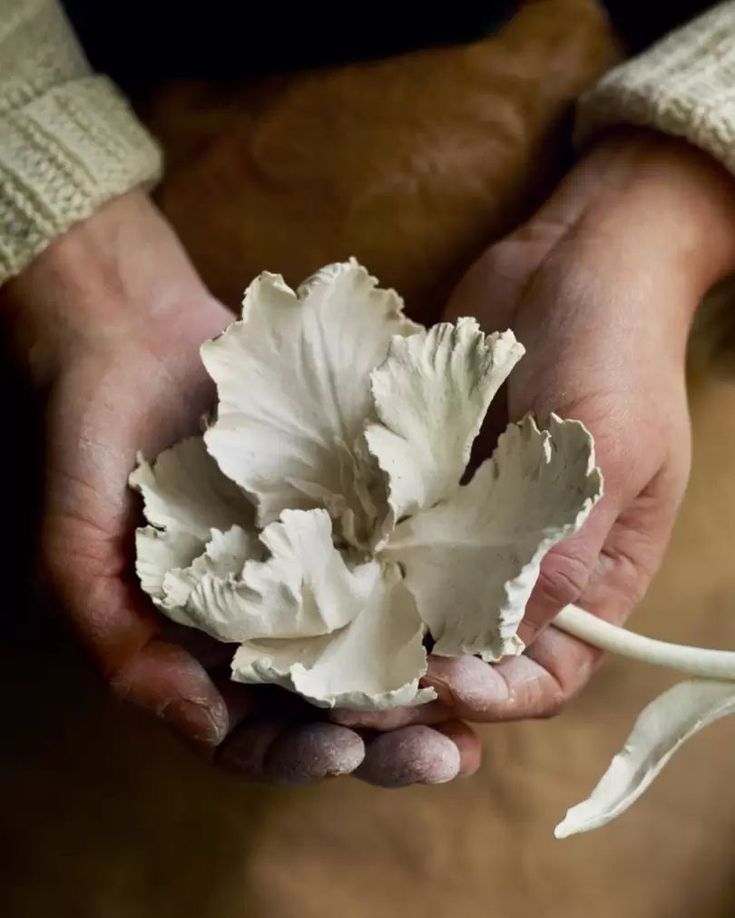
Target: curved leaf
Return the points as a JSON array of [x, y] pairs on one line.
[[662, 728]]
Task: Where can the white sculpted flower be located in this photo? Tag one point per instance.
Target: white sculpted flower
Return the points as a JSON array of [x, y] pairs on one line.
[[320, 522]]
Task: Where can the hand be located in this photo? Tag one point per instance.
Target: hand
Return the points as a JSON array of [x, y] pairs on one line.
[[108, 321], [600, 286]]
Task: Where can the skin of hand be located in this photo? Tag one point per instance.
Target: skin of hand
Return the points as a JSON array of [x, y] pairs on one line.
[[601, 286], [107, 324]]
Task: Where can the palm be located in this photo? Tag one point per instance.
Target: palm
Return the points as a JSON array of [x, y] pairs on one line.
[[109, 403]]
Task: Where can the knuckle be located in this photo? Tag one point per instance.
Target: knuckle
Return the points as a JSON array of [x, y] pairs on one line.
[[562, 578]]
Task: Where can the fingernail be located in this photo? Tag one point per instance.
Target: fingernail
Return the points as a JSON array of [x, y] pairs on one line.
[[196, 721]]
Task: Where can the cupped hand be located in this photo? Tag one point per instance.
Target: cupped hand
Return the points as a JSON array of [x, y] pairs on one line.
[[601, 286], [108, 323]]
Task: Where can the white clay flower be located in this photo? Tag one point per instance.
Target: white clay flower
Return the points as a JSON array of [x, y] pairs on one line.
[[320, 523]]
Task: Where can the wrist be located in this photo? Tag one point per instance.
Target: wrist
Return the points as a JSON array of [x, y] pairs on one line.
[[655, 198], [120, 274]]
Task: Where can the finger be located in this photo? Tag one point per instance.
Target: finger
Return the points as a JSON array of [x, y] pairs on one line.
[[122, 634], [536, 684], [164, 679], [607, 566], [556, 666], [636, 545], [567, 569], [467, 686], [312, 751], [517, 688], [541, 681], [245, 750], [274, 750], [501, 270], [432, 713], [410, 755], [626, 565], [242, 701], [468, 743]]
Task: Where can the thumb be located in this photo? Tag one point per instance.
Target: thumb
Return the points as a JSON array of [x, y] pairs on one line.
[[567, 569]]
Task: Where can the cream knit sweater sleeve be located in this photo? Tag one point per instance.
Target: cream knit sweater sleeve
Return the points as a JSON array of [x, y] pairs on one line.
[[68, 139], [684, 85]]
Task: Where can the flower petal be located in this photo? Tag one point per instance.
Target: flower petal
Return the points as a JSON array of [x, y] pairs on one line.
[[293, 384], [373, 663], [185, 497], [431, 394], [662, 728], [157, 551], [208, 595], [472, 561], [190, 594], [184, 490], [225, 556], [303, 589]]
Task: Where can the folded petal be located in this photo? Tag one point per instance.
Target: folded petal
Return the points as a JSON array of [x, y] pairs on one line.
[[431, 394], [225, 556], [373, 663], [472, 561], [303, 588], [157, 552], [184, 490], [179, 573], [361, 500], [185, 497], [664, 726], [293, 384]]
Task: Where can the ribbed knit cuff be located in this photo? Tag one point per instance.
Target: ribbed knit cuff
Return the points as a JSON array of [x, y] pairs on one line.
[[684, 86], [63, 155]]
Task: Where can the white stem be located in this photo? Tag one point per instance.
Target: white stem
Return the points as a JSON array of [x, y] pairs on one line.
[[710, 664]]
